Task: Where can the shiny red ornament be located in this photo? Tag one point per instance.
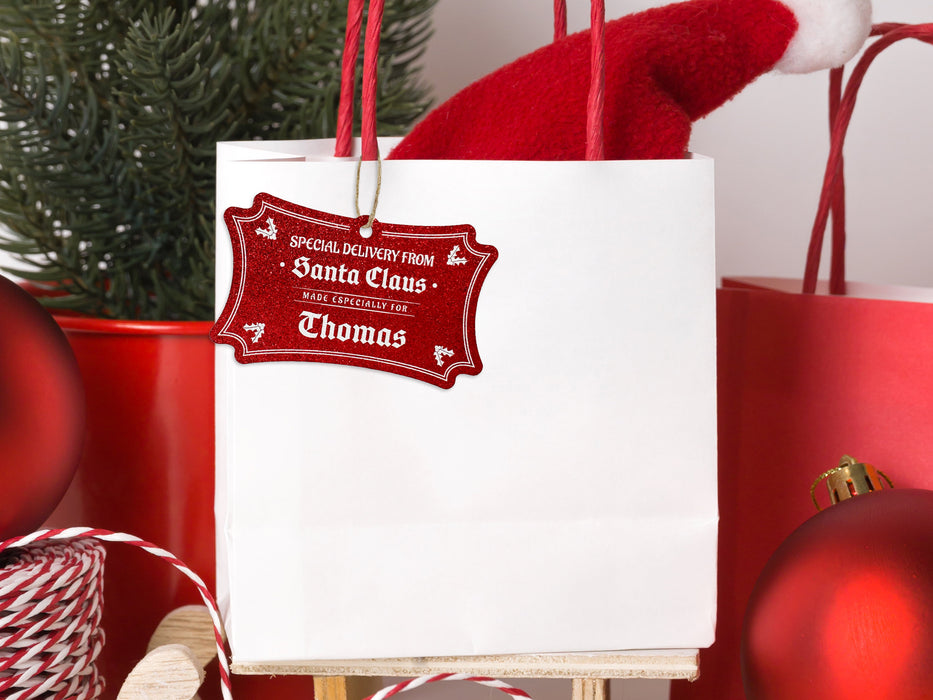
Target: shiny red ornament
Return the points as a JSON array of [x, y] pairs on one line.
[[844, 607], [41, 412]]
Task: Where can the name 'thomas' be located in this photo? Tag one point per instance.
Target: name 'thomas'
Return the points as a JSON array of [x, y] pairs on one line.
[[345, 332]]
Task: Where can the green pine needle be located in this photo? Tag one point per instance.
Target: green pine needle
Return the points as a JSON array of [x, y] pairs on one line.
[[109, 117]]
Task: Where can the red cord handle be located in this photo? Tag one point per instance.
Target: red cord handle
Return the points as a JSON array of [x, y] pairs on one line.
[[560, 19], [596, 99], [370, 148], [832, 196], [370, 62], [370, 145], [351, 50]]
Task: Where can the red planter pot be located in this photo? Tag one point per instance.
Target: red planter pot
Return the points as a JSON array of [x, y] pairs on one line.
[[147, 469]]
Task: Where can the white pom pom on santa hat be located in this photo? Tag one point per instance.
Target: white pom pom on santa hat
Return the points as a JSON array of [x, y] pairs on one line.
[[829, 33]]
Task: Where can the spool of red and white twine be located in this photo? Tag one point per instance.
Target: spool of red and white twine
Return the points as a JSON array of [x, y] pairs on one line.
[[50, 607], [50, 610], [51, 600]]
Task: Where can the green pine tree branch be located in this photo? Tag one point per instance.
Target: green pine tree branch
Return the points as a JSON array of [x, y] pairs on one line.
[[109, 117]]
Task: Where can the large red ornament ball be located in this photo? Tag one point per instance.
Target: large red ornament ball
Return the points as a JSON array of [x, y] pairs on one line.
[[844, 607], [41, 412]]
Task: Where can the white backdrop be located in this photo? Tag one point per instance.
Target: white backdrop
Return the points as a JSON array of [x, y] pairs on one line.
[[770, 146]]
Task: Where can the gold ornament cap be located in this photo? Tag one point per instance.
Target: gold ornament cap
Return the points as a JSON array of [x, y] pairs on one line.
[[851, 478]]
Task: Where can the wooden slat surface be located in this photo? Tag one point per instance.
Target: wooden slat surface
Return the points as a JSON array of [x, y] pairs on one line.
[[674, 664], [345, 688], [590, 689]]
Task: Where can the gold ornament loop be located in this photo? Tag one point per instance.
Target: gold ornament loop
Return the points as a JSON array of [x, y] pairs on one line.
[[858, 478]]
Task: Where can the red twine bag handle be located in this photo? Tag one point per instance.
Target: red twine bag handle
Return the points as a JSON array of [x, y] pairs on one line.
[[596, 99], [351, 50], [370, 62], [832, 197], [370, 147], [560, 19]]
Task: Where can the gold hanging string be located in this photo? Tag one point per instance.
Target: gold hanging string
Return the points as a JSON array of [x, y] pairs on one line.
[[372, 214]]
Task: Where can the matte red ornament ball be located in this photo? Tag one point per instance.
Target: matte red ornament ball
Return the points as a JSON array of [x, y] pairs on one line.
[[844, 607], [42, 412]]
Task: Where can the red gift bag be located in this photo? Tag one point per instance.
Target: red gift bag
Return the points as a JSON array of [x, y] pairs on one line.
[[803, 379]]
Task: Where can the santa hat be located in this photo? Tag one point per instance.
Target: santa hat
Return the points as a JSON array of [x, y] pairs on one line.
[[666, 67]]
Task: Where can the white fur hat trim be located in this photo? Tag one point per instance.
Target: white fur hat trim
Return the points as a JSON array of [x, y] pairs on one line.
[[829, 33]]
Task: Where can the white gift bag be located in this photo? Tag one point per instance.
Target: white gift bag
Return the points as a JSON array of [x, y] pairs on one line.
[[562, 499]]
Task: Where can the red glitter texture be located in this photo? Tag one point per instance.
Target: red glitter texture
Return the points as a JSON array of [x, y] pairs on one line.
[[308, 286]]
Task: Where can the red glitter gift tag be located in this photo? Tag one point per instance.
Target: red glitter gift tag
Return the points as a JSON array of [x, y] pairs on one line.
[[308, 286]]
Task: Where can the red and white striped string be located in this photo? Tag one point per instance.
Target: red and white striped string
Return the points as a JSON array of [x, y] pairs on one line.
[[423, 680], [50, 612], [64, 666]]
